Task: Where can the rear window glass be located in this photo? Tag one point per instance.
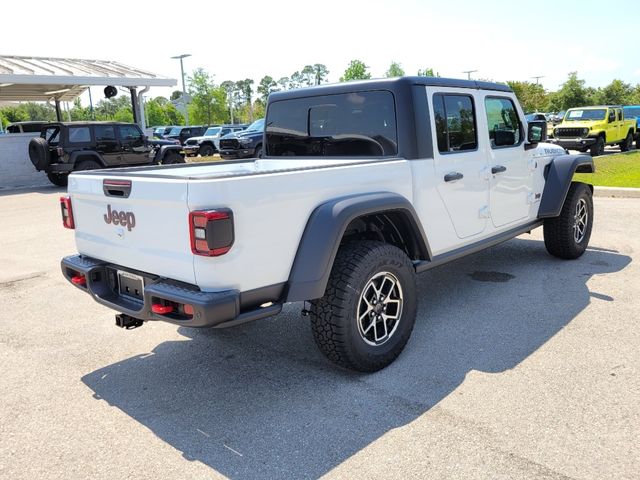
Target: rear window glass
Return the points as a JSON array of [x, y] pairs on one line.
[[345, 125], [79, 135], [104, 132]]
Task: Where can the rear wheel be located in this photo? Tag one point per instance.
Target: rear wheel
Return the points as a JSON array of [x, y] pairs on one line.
[[88, 165], [206, 150], [597, 148], [567, 236], [366, 316], [628, 142], [59, 179]]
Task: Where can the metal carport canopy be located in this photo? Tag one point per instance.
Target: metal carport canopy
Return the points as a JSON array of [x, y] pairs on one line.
[[65, 79]]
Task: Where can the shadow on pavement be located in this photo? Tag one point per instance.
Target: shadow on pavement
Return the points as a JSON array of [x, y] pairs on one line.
[[259, 401]]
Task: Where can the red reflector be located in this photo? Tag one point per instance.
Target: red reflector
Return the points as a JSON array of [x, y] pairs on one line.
[[79, 280], [161, 309], [67, 212], [188, 309]]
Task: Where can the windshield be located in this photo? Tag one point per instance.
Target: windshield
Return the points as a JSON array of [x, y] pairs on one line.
[[581, 115], [258, 125], [632, 112], [212, 131], [175, 131]]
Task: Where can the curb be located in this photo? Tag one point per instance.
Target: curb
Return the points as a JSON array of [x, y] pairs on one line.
[[616, 192]]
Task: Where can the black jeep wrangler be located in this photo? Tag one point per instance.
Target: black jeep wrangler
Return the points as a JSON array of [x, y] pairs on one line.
[[66, 147]]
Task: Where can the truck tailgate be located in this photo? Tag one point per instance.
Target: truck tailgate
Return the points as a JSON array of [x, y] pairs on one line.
[[150, 233]]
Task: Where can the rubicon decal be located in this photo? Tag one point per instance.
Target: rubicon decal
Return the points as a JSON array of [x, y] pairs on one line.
[[126, 219]]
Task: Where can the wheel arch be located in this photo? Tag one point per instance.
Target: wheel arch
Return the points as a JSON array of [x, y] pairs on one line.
[[383, 216], [558, 178], [82, 155]]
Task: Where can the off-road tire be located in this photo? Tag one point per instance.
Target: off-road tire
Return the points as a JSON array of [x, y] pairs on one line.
[[171, 158], [88, 165], [39, 153], [206, 151], [627, 144], [597, 148], [334, 321], [559, 231], [58, 179]]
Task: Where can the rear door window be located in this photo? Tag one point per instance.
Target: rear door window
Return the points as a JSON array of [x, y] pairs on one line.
[[130, 132], [104, 132], [455, 120], [357, 124], [79, 135]]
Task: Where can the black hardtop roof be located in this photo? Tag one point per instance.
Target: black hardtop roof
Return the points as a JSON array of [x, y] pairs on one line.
[[89, 123], [391, 84]]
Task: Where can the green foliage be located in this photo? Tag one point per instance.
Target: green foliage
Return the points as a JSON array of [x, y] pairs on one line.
[[572, 94], [208, 101], [308, 75], [616, 93], [395, 70], [356, 70], [531, 96], [427, 72], [320, 73], [266, 86], [175, 95]]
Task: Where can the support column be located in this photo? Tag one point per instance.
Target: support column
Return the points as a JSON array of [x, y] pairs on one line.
[[58, 111], [135, 108]]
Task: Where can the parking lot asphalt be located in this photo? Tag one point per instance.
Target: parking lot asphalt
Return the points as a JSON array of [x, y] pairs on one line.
[[520, 366]]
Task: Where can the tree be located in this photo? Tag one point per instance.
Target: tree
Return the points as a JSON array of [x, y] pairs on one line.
[[356, 70], [427, 72], [155, 113], [207, 100], [320, 71], [266, 86], [174, 117], [395, 70], [175, 95], [616, 93], [309, 75], [296, 80], [284, 83], [531, 96], [572, 94], [246, 93]]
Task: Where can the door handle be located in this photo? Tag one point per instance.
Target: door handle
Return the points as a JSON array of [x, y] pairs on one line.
[[498, 169], [453, 176]]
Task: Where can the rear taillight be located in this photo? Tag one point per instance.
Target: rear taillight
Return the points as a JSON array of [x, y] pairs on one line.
[[211, 232], [67, 212]]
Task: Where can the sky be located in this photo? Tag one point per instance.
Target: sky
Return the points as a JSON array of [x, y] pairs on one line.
[[234, 40]]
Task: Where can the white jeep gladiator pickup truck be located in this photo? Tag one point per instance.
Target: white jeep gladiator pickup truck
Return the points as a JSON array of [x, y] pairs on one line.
[[362, 185]]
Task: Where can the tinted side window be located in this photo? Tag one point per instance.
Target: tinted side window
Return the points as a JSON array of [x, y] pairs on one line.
[[503, 122], [455, 122], [130, 132], [104, 132], [352, 124], [79, 135]]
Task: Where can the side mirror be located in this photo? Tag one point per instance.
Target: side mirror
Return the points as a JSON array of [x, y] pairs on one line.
[[536, 131]]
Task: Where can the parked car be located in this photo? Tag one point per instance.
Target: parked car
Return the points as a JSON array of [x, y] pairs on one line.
[[183, 133], [362, 185], [244, 144], [591, 128], [25, 127], [633, 111], [209, 143], [160, 132], [67, 147]]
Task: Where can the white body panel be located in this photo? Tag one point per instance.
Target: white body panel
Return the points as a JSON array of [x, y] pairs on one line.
[[272, 200]]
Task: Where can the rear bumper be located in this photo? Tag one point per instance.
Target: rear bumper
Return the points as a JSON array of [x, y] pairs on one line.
[[573, 143], [210, 309]]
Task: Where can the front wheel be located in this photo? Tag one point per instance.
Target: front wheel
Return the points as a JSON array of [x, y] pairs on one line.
[[258, 153], [366, 316], [206, 151], [567, 236], [598, 148], [628, 142]]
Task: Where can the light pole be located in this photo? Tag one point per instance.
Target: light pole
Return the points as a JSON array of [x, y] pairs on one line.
[[538, 77], [184, 93], [469, 72]]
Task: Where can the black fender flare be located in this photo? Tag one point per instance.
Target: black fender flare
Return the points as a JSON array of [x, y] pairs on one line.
[[73, 158], [323, 233], [558, 180]]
